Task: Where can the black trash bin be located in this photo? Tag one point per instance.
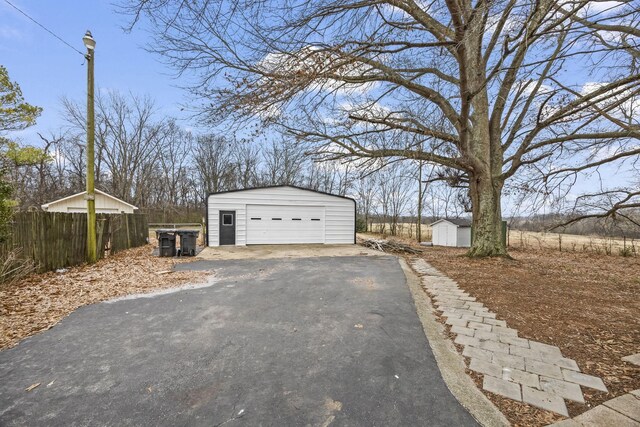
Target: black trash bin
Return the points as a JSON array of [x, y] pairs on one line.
[[188, 239], [166, 243]]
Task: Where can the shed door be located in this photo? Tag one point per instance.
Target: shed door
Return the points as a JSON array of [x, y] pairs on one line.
[[452, 235], [227, 227], [282, 224]]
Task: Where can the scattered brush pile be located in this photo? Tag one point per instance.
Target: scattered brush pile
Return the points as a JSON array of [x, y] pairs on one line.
[[392, 246], [13, 267]]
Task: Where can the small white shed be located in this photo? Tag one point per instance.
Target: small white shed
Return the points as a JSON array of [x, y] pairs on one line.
[[451, 232], [105, 203], [281, 214]]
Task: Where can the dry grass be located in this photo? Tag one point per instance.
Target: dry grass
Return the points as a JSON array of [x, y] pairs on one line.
[[531, 240], [39, 301], [14, 267], [572, 243], [407, 230]]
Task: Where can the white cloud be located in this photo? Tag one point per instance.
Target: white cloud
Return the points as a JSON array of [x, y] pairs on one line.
[[589, 87], [597, 6], [629, 108], [530, 85], [391, 11], [10, 33]]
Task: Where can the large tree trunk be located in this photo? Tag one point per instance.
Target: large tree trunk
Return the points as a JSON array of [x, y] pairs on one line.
[[487, 217], [485, 152]]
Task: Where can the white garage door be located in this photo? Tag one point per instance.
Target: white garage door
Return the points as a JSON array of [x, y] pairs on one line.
[[281, 224]]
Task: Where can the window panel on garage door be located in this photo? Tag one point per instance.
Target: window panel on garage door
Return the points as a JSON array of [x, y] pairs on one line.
[[281, 224]]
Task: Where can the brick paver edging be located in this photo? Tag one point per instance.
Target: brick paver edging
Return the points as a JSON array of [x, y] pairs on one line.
[[520, 369], [622, 411]]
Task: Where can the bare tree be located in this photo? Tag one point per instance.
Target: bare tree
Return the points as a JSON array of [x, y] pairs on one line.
[[283, 163], [246, 158], [366, 189], [617, 204], [44, 177], [444, 200], [173, 163], [72, 150], [329, 176], [212, 159], [369, 79], [395, 192], [127, 142]]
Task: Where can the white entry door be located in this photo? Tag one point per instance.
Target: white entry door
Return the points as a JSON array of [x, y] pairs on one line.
[[282, 224]]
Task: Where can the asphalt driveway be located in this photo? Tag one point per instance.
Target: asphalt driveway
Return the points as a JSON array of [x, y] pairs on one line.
[[279, 342]]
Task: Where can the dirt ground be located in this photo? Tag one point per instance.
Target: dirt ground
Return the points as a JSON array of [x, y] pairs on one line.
[[586, 304], [39, 301]]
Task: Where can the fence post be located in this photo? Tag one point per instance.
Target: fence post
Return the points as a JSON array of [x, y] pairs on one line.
[[126, 217]]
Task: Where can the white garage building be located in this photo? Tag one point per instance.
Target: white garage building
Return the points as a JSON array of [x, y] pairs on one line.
[[451, 232], [279, 215]]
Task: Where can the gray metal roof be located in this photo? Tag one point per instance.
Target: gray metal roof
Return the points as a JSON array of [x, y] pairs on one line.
[[460, 222]]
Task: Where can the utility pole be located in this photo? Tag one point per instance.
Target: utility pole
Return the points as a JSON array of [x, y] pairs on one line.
[[92, 255], [419, 229]]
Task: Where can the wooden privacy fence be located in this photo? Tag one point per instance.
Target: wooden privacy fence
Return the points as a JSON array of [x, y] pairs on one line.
[[56, 239]]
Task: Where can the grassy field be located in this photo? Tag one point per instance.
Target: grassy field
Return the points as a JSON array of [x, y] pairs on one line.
[[537, 240], [403, 230], [573, 242]]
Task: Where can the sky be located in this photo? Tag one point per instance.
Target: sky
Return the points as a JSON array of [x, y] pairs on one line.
[[46, 69]]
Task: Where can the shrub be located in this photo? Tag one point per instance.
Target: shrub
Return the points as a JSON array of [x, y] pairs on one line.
[[361, 224], [628, 251]]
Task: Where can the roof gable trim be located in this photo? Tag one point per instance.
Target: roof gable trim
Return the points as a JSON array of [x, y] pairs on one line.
[[46, 205], [459, 222], [280, 186]]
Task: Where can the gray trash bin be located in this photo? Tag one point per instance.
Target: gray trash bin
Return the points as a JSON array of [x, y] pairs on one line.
[[188, 239], [167, 243]]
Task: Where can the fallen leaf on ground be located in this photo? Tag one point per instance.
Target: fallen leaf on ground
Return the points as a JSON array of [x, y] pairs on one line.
[[31, 387]]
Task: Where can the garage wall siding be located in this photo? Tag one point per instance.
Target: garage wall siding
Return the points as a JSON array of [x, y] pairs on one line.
[[338, 214]]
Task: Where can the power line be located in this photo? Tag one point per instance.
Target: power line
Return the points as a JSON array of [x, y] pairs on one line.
[[42, 26]]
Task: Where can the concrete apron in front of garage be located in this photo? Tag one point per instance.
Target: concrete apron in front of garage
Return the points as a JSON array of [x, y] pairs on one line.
[[283, 251], [282, 342]]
